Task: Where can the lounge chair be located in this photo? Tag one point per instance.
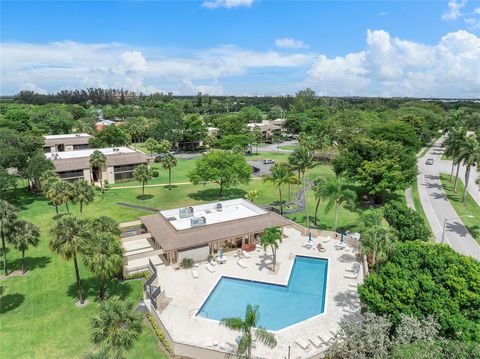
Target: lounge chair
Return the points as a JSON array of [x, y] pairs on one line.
[[353, 285], [241, 263], [316, 342], [195, 273], [246, 254], [302, 344], [308, 244], [350, 276], [324, 338], [355, 268], [321, 248], [328, 239], [340, 245], [210, 268]]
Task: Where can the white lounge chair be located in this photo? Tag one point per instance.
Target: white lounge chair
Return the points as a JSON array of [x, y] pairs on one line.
[[353, 285], [340, 245], [350, 276], [210, 268], [242, 264], [324, 338], [246, 254], [195, 273], [316, 342], [302, 344], [355, 268], [308, 244], [328, 239]]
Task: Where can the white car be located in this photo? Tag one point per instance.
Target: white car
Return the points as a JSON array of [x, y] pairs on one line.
[[429, 161], [268, 162]]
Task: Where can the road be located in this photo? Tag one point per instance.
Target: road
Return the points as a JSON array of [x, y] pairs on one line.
[[437, 208]]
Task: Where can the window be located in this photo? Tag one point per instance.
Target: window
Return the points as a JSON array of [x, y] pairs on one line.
[[80, 147], [123, 175], [71, 175], [126, 168]]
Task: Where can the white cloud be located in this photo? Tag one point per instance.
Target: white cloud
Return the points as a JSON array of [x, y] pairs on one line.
[[289, 43], [395, 67], [477, 10], [215, 4], [454, 10]]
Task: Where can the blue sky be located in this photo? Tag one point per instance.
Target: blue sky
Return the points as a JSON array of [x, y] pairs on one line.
[[374, 48]]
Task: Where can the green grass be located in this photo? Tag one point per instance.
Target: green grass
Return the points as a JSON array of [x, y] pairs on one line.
[[288, 147], [469, 209], [418, 206]]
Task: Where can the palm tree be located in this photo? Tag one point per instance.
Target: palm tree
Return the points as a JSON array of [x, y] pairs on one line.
[[318, 184], [280, 174], [8, 216], [250, 329], [377, 241], [26, 234], [470, 156], [168, 162], [151, 145], [142, 173], [83, 193], [252, 195], [48, 180], [104, 224], [61, 192], [453, 145], [371, 217], [69, 240], [336, 191], [116, 327], [103, 256], [271, 238], [97, 161]]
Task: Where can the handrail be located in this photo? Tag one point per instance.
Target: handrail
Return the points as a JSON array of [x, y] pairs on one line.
[[194, 310], [151, 266]]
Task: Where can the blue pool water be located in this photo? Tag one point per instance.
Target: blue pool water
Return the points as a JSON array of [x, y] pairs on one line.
[[280, 306]]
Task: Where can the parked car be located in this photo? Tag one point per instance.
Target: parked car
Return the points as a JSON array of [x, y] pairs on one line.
[[429, 161], [268, 162]]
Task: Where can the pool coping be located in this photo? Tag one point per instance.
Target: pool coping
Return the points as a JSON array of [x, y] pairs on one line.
[[277, 284]]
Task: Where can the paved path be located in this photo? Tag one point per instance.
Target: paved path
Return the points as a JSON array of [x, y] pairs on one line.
[[437, 207], [409, 198]]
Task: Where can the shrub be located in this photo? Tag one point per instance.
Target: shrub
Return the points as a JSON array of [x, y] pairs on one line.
[[408, 223], [155, 173], [145, 274], [160, 335], [187, 263]]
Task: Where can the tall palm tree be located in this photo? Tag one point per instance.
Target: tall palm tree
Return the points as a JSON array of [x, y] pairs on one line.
[[168, 162], [453, 145], [103, 256], [250, 329], [104, 224], [377, 241], [61, 192], [470, 156], [48, 180], [317, 188], [26, 234], [8, 216], [336, 191], [151, 145], [142, 173], [68, 240], [371, 217], [97, 161], [117, 327], [271, 238], [280, 174], [83, 193]]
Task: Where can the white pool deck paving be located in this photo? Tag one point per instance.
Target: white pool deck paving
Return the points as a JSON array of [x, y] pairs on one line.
[[188, 294]]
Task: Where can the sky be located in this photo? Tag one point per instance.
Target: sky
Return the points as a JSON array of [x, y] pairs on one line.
[[243, 47]]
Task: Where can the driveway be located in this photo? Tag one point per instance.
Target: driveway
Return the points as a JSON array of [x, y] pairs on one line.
[[275, 147], [437, 207]]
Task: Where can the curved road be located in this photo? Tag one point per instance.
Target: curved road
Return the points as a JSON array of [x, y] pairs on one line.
[[437, 207]]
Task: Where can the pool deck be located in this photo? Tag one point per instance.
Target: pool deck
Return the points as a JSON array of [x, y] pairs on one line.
[[187, 295]]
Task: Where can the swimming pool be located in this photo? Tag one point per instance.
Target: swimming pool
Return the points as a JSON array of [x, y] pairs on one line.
[[280, 306]]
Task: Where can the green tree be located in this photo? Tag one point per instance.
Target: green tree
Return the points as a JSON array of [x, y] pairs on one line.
[[68, 240], [104, 224], [26, 234], [83, 193], [250, 114], [47, 182], [6, 181], [103, 256], [280, 175], [151, 145], [142, 173], [336, 192], [97, 161], [377, 242], [408, 223], [164, 146], [225, 168], [36, 166], [116, 328], [317, 188], [256, 137], [252, 195], [250, 329], [271, 238], [168, 162], [470, 156], [61, 193], [427, 279], [194, 130], [453, 146], [110, 136], [8, 216]]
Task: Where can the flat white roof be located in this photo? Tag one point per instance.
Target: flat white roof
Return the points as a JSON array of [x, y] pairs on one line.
[[231, 210], [68, 135], [87, 153]]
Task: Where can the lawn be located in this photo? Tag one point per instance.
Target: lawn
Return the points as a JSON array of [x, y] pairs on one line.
[[469, 209], [288, 147], [418, 206], [38, 315]]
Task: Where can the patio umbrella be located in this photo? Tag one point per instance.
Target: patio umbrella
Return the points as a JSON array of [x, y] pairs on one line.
[[309, 236], [220, 254], [341, 238]]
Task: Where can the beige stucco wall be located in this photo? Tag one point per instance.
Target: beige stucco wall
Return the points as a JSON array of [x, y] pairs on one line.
[[108, 175], [68, 147], [87, 175]]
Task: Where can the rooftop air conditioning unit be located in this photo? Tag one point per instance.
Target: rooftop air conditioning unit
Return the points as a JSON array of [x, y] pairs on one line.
[[198, 221], [116, 149], [219, 207], [186, 212]]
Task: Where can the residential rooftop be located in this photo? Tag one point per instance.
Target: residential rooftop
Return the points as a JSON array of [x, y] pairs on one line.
[[69, 135], [88, 152]]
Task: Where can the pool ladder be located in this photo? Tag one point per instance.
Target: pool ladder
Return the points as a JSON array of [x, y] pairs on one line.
[[193, 312]]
